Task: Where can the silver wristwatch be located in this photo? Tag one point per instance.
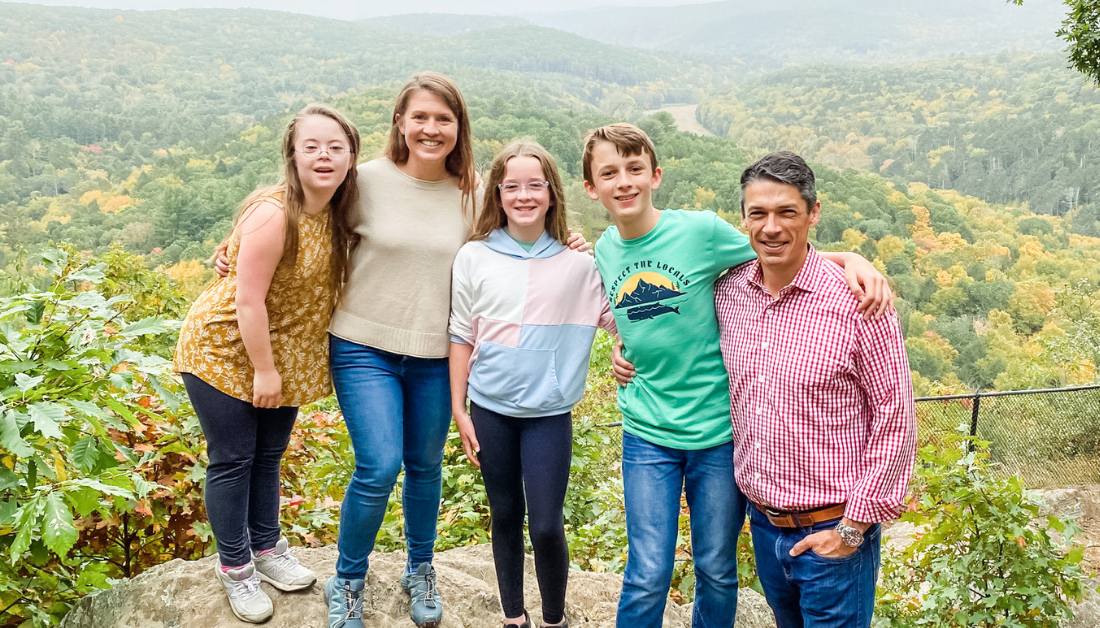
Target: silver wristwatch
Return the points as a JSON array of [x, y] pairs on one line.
[[851, 537]]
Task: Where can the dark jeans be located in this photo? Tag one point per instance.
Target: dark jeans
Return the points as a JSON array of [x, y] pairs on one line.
[[527, 456], [811, 591], [245, 445]]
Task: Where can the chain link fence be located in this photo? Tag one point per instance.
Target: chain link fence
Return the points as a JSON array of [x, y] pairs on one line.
[[1049, 438]]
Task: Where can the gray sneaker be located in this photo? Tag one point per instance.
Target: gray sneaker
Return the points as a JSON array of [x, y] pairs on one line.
[[344, 599], [246, 599], [281, 569], [427, 607]]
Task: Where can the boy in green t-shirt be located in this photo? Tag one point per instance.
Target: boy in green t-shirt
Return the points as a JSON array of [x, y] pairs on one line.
[[659, 269]]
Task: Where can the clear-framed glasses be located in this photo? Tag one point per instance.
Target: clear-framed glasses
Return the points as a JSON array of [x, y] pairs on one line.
[[534, 187], [333, 150]]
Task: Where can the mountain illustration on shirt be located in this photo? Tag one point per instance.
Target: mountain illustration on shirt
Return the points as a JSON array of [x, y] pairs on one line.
[[642, 293]]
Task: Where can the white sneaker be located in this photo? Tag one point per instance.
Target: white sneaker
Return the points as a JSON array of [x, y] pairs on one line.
[[246, 599], [281, 569]]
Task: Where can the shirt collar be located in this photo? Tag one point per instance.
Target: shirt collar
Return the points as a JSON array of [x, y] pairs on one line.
[[808, 278]]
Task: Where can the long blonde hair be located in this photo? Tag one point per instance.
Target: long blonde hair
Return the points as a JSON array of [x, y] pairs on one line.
[[289, 191], [492, 213], [460, 162]]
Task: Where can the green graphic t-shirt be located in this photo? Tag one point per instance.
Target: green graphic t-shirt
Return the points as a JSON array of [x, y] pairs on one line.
[[661, 289]]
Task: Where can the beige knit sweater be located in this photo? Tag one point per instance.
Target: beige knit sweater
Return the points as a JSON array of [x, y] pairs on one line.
[[398, 295]]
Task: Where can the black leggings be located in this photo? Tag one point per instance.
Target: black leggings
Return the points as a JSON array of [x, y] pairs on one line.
[[245, 445], [530, 454]]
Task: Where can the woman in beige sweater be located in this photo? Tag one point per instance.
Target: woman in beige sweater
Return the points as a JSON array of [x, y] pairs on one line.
[[389, 342]]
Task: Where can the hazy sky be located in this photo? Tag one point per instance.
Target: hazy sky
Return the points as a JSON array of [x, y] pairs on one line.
[[348, 9]]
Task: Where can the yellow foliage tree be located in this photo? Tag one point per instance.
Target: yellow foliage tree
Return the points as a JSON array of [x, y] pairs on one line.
[[853, 238], [704, 198], [890, 246], [192, 276], [116, 203]]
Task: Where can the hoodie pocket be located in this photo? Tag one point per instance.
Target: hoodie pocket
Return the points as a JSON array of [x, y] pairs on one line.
[[525, 378]]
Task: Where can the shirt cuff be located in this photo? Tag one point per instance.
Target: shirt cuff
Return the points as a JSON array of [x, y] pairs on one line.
[[873, 510]]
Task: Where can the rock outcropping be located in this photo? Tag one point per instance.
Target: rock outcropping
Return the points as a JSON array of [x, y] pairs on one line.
[[185, 594]]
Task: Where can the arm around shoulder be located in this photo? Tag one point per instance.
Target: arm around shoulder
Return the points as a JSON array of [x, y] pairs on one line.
[[868, 285]]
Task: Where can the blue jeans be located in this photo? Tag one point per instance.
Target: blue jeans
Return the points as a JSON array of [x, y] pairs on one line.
[[398, 410], [810, 591], [653, 479]]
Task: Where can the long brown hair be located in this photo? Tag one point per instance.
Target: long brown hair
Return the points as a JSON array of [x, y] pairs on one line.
[[289, 191], [492, 213], [460, 162]]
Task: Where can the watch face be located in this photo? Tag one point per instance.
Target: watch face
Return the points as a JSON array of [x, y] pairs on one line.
[[851, 537]]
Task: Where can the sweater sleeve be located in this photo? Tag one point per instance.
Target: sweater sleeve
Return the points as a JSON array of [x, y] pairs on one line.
[[607, 319], [461, 322]]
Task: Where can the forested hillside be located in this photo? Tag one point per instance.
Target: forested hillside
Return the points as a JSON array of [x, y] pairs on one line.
[[87, 93], [142, 131], [1007, 128]]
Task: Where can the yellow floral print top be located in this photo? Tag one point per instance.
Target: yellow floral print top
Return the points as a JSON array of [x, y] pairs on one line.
[[299, 306]]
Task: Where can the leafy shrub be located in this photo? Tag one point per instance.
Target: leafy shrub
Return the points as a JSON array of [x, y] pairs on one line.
[[96, 460], [983, 556]]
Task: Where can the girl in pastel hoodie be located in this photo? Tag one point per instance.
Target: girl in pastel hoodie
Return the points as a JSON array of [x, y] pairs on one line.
[[524, 312]]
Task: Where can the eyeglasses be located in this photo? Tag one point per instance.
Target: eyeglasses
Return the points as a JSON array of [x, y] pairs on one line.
[[312, 149], [534, 187]]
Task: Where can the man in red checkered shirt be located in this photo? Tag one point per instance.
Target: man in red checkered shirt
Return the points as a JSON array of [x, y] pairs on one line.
[[822, 408]]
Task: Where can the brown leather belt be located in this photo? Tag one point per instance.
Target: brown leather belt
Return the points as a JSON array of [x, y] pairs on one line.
[[782, 519]]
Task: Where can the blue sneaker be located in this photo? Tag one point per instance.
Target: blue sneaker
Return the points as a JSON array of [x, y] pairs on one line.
[[345, 602], [426, 608]]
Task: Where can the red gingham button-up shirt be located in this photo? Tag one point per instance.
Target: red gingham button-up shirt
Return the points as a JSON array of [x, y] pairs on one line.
[[821, 400]]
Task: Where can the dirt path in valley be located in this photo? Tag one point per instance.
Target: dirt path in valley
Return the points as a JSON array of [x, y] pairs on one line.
[[684, 115]]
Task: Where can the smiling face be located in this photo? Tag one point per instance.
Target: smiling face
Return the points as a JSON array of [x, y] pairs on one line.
[[323, 171], [624, 184], [525, 207], [778, 221], [430, 129]]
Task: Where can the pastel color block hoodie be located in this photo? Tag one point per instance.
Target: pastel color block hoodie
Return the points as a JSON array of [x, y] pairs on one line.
[[531, 318]]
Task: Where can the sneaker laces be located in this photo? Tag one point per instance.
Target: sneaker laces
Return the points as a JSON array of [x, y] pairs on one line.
[[286, 560], [246, 587], [429, 592], [352, 602]]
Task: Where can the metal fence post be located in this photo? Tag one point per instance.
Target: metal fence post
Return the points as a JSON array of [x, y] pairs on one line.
[[974, 416]]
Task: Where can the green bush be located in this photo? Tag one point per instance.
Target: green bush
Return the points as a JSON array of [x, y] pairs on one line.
[[93, 448], [982, 555]]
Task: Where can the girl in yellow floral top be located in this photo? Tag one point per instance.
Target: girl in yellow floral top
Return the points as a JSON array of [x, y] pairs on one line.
[[254, 347]]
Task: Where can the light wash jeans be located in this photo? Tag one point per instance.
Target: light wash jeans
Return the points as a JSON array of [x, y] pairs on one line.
[[653, 479], [398, 411]]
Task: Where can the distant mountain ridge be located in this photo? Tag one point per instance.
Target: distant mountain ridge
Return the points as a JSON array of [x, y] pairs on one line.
[[827, 31], [444, 23]]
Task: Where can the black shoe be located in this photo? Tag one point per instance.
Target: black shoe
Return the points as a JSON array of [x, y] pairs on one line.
[[526, 622]]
